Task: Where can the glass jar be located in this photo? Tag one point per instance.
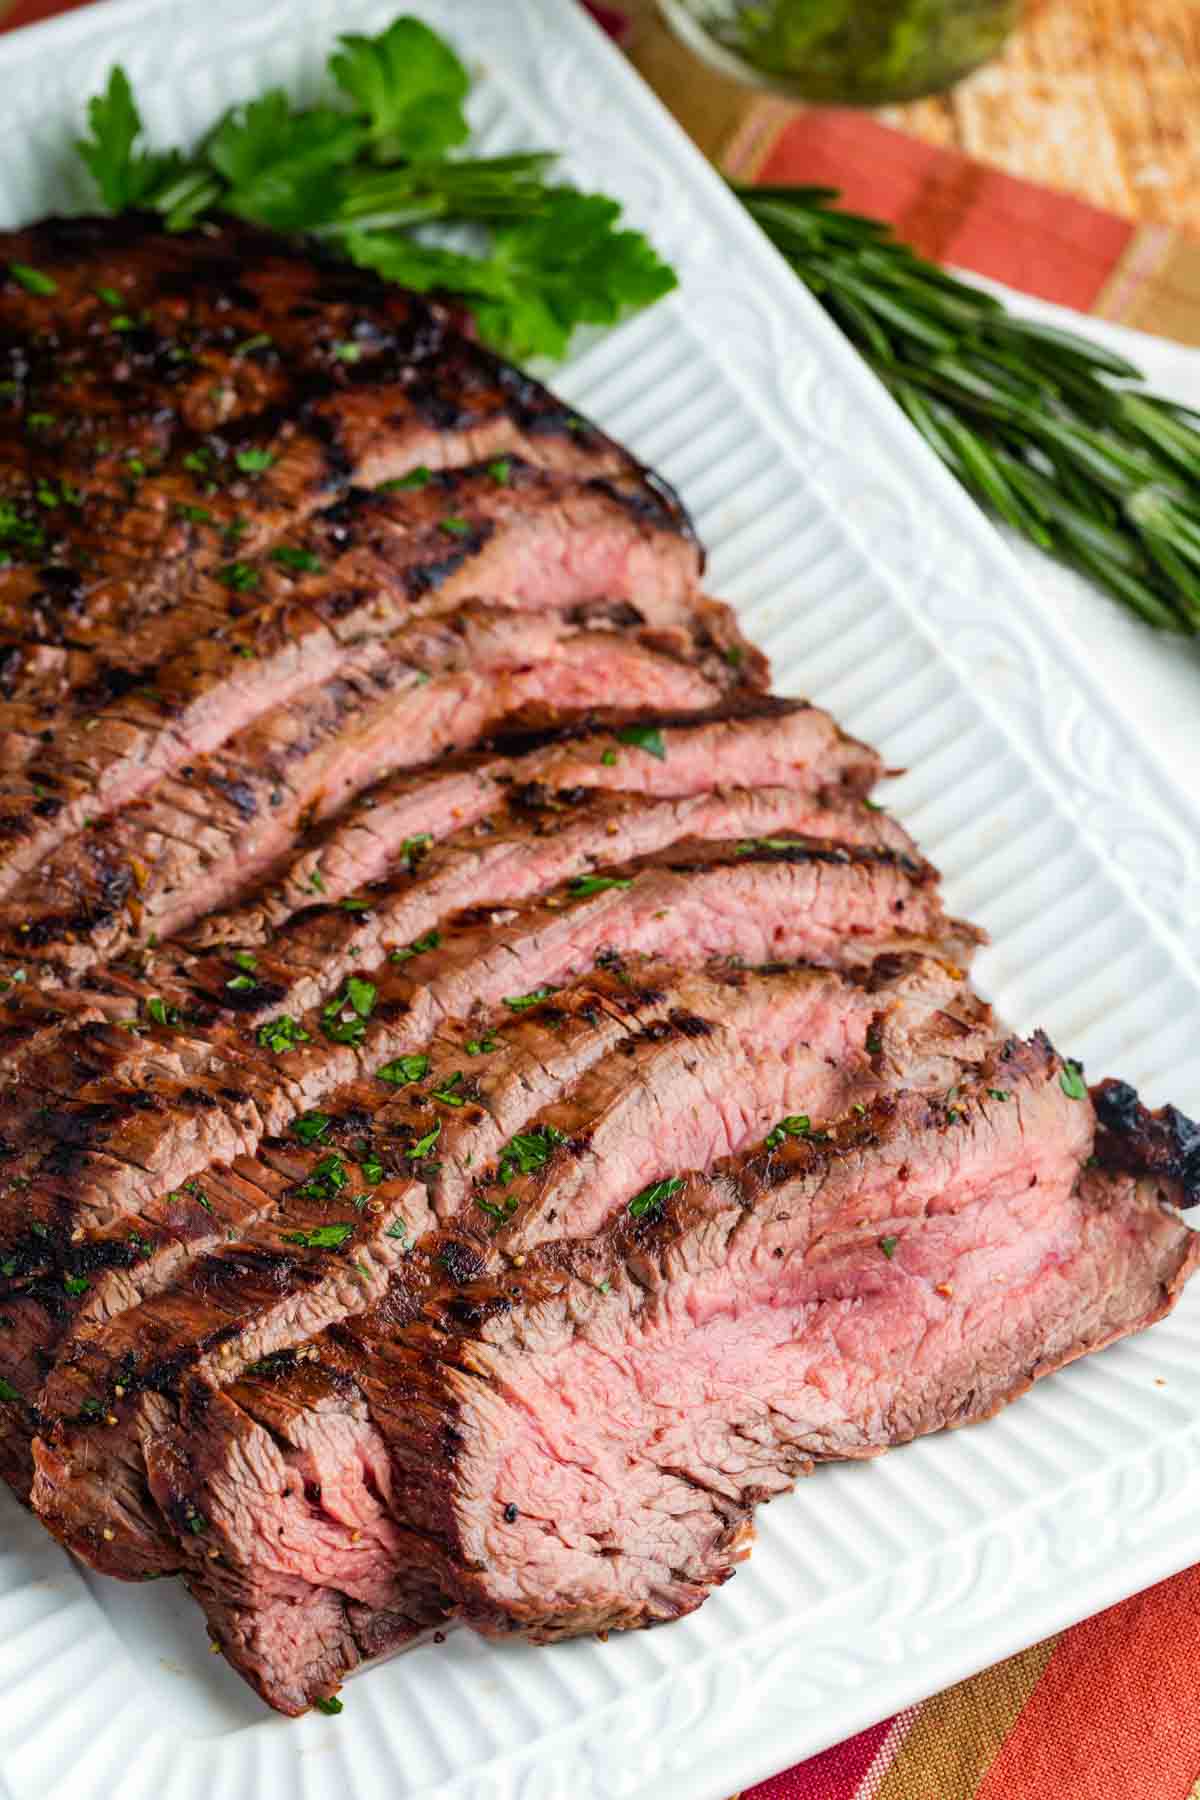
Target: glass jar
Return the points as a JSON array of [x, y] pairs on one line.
[[845, 52]]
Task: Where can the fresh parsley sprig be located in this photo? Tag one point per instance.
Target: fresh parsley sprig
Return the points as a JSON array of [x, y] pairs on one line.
[[1045, 429], [365, 172]]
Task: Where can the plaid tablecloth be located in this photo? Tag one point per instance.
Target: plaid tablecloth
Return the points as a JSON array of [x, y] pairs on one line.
[[1108, 1710]]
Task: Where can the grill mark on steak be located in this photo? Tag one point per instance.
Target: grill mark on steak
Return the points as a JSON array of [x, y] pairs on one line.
[[781, 1039], [551, 542], [475, 1427]]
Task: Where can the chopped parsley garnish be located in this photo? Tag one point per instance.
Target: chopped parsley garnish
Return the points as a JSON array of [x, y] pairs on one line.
[[1071, 1081], [239, 576], [644, 737], [874, 1042], [649, 1203], [344, 1019], [7, 1390], [397, 1229], [328, 1178], [888, 1246], [355, 904], [110, 297], [316, 881], [288, 558], [597, 884], [522, 1002], [245, 959], [418, 947], [331, 1706], [446, 1092], [528, 1152], [197, 462], [501, 470], [417, 478], [404, 1071], [795, 1125], [424, 1145], [76, 1284], [195, 515], [159, 1013], [481, 1046], [321, 1237], [414, 847], [349, 353], [311, 1127], [241, 984], [872, 806], [456, 525], [372, 1170], [254, 462], [1000, 1093], [609, 759], [34, 281], [281, 1034], [749, 846], [260, 341]]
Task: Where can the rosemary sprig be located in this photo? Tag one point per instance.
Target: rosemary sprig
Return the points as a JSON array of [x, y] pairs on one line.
[[1052, 433]]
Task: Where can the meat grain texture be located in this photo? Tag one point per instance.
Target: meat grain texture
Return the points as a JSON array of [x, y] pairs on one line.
[[488, 1099]]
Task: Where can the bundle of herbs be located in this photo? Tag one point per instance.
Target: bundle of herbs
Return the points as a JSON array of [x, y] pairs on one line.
[[1051, 432]]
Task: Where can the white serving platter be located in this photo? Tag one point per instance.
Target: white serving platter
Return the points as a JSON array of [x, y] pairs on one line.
[[878, 589]]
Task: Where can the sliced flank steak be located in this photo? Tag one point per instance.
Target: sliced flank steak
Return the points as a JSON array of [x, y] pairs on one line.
[[749, 741], [532, 542], [593, 1093], [207, 832], [199, 1091], [579, 1444]]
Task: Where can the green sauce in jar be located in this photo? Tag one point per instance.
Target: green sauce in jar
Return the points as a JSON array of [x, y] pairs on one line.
[[847, 52]]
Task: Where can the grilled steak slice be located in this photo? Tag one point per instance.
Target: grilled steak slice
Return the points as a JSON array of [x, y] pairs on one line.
[[596, 1091], [190, 1100], [369, 566], [358, 381], [755, 741], [208, 831], [916, 1268]]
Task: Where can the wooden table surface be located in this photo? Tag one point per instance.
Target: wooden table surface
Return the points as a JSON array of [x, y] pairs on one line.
[[1100, 97]]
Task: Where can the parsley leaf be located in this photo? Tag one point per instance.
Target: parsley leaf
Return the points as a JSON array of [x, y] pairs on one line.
[[1071, 1081], [430, 941], [597, 884], [522, 1002], [409, 84], [321, 1237], [125, 175], [34, 281], [527, 1152], [254, 462], [644, 737], [405, 1070], [288, 558], [888, 1246], [7, 1390], [282, 1034], [332, 1706], [280, 164], [311, 1127], [417, 478], [424, 1145], [795, 1125], [649, 1203]]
